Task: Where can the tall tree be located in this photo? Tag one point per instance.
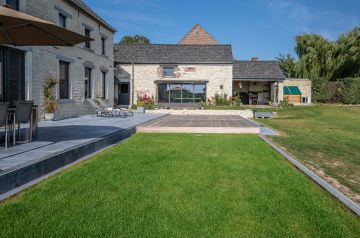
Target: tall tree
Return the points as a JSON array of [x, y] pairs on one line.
[[315, 56], [136, 39], [347, 55], [287, 64]]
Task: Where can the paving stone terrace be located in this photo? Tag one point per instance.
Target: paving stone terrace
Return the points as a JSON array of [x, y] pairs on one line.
[[60, 143]]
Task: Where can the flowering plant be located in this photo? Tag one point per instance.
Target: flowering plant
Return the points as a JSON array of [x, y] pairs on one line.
[[144, 100], [50, 104]]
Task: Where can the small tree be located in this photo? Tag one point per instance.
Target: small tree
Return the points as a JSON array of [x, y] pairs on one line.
[[49, 98]]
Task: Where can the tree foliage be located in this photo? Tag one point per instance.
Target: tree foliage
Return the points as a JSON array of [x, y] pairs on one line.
[[321, 58], [136, 39], [287, 64]]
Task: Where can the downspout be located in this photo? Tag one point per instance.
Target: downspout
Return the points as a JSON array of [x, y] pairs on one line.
[[132, 84]]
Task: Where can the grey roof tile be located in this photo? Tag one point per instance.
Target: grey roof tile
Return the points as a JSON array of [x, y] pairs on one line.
[[172, 54], [81, 4], [257, 70]]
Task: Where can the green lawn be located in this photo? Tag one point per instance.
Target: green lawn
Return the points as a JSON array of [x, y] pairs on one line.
[[166, 185], [327, 139]]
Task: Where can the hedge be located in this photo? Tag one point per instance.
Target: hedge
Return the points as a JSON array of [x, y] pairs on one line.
[[350, 93], [346, 90]]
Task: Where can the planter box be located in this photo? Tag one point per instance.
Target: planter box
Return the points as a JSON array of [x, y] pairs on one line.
[[49, 116], [141, 109]]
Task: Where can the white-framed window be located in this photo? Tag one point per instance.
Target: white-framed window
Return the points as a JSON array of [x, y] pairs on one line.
[[304, 99]]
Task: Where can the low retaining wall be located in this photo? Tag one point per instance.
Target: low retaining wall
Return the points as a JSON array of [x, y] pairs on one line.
[[247, 113]]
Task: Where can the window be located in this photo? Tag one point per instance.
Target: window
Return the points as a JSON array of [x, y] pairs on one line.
[[124, 88], [14, 4], [181, 93], [87, 83], [12, 75], [168, 72], [103, 46], [64, 84], [62, 20], [87, 34], [103, 74], [305, 100]]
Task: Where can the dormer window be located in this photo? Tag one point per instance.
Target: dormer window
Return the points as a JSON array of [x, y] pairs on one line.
[[168, 72]]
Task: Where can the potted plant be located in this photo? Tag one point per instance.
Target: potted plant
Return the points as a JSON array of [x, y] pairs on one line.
[[50, 104]]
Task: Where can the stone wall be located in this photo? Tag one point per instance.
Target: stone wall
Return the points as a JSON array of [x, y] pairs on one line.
[[218, 78], [303, 84], [42, 61]]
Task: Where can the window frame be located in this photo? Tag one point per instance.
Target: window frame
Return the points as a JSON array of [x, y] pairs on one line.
[[103, 45], [62, 16], [11, 2], [306, 99], [88, 87], [104, 84], [87, 33], [66, 78], [168, 67]]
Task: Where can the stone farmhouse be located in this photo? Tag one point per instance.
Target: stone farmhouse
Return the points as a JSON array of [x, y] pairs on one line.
[[176, 75], [197, 68]]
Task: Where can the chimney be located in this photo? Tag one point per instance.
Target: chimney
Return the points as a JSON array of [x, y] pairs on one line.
[[254, 59]]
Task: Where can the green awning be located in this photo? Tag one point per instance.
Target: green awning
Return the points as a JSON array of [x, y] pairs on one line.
[[292, 90]]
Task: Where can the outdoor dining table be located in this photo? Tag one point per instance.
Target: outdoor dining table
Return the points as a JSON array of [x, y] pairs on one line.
[[33, 121]]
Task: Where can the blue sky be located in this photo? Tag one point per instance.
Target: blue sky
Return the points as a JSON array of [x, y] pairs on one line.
[[262, 28]]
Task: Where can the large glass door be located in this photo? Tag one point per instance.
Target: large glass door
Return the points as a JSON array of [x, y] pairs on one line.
[[12, 75], [181, 93], [175, 93]]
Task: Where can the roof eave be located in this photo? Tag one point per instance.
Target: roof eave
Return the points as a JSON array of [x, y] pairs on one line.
[[101, 21], [130, 62]]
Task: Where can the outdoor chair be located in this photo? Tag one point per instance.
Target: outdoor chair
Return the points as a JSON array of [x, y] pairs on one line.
[[99, 111], [122, 112], [4, 119], [23, 114]]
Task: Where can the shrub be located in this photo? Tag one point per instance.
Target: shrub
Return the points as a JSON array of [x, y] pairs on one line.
[[285, 103], [350, 93], [221, 99], [134, 106]]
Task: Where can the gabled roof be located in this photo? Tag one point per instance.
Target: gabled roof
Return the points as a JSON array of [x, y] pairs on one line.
[[257, 70], [291, 90], [198, 36], [172, 54], [83, 6]]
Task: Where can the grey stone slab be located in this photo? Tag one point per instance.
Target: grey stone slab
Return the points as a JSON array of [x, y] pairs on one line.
[[58, 136]]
